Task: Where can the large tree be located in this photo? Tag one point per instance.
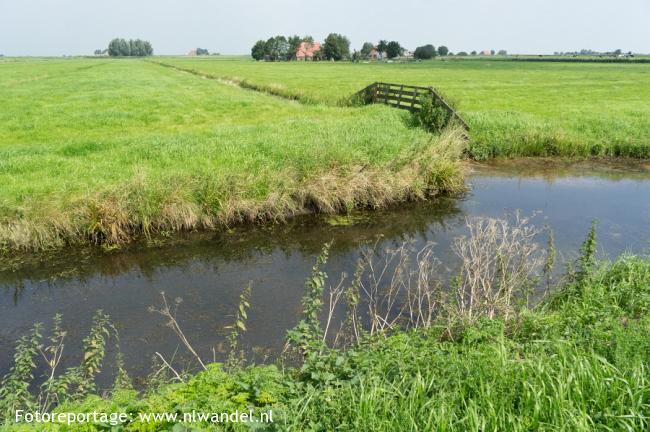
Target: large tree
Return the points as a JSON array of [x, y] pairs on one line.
[[394, 49], [294, 43], [336, 47], [259, 50], [277, 48], [119, 47], [382, 46], [443, 50], [425, 52]]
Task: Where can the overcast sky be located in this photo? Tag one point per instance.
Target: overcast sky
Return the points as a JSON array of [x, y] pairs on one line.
[[56, 27]]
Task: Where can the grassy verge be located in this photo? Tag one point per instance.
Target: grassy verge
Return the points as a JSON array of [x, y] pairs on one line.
[[514, 108], [578, 361], [106, 150]]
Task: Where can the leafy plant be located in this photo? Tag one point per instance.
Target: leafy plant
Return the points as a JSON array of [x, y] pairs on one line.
[[14, 388], [433, 116], [307, 335], [74, 383], [236, 357], [587, 259]]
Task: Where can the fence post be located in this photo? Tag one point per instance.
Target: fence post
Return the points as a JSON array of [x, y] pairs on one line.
[[401, 90]]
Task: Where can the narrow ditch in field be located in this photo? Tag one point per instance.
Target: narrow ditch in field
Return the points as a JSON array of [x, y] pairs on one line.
[[244, 84]]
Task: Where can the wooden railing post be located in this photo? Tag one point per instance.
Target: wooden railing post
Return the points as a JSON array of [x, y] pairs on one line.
[[399, 99], [415, 98]]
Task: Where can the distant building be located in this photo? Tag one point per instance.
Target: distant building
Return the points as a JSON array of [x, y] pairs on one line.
[[486, 52], [307, 50], [192, 53], [408, 55], [375, 54]]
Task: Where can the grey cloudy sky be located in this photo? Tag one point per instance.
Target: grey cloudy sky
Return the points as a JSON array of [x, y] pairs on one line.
[[55, 27]]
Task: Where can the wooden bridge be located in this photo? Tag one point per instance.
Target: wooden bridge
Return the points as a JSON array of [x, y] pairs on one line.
[[405, 97]]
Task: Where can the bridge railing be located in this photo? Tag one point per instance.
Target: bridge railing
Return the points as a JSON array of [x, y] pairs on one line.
[[405, 97]]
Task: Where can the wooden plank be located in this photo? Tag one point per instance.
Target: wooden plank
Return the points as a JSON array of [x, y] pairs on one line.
[[399, 92], [417, 104], [387, 97], [404, 95], [408, 87]]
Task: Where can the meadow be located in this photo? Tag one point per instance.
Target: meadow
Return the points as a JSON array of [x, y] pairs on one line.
[[514, 108], [100, 150], [105, 150]]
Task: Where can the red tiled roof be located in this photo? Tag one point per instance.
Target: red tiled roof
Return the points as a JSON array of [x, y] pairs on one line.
[[307, 49]]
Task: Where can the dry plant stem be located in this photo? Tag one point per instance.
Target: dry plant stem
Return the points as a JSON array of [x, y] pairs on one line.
[[173, 324], [55, 359], [499, 261], [424, 299], [169, 367], [334, 297], [381, 302]]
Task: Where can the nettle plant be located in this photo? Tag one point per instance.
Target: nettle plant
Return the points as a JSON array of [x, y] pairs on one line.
[[73, 383]]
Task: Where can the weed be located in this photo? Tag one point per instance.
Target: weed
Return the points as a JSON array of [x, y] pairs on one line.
[[236, 357]]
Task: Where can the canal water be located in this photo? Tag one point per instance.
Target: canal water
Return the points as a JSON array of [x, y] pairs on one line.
[[209, 271]]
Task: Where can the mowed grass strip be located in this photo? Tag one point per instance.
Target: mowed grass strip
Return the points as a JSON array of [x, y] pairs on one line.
[[514, 108], [105, 150]]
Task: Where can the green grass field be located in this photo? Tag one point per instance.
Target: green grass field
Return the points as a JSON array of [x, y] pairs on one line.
[[514, 108], [103, 150]]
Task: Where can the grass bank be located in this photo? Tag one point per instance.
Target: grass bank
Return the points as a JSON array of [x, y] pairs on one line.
[[577, 361], [101, 150], [514, 108]]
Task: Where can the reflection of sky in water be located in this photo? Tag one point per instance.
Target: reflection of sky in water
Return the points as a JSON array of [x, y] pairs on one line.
[[568, 205], [209, 274]]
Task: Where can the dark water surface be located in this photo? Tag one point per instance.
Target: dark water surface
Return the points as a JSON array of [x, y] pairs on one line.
[[208, 271]]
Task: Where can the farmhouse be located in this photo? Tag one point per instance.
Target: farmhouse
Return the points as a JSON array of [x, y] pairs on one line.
[[192, 53], [307, 50], [375, 54]]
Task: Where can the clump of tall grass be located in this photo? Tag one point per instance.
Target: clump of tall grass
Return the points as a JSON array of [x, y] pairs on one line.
[[142, 207]]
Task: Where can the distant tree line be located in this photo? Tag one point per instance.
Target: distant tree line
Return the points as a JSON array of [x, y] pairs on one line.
[[119, 47], [588, 52], [337, 47]]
